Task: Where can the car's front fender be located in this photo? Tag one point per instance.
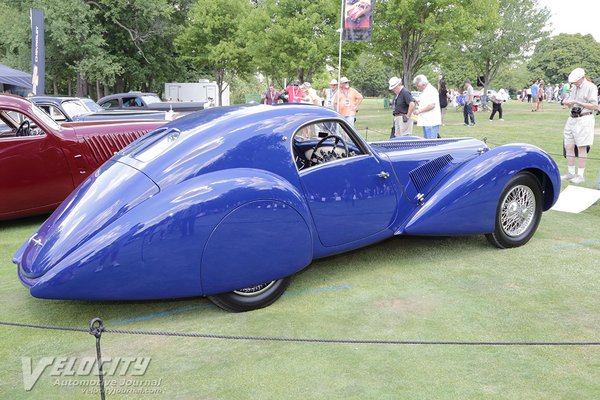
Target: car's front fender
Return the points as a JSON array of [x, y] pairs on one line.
[[465, 202]]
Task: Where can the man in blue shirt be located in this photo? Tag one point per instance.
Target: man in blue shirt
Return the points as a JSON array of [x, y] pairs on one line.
[[535, 99]]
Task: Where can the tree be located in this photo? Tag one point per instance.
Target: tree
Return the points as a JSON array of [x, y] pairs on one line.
[[507, 38], [140, 36], [555, 57], [15, 36], [369, 75], [212, 38], [410, 34], [292, 38]]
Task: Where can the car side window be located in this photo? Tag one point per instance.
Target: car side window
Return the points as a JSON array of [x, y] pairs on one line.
[[14, 124], [55, 113], [132, 102], [114, 103], [6, 130], [323, 142]]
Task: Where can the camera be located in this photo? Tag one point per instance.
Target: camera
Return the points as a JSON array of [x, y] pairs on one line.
[[576, 111]]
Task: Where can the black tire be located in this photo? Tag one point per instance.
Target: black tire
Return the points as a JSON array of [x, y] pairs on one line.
[[518, 213], [252, 298]]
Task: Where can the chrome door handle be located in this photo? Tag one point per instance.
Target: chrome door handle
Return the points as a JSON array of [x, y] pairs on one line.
[[383, 175]]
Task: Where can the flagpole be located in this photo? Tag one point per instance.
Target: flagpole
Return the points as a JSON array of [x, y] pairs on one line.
[[340, 57]]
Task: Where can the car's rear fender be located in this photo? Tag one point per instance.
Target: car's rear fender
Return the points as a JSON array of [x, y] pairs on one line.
[[155, 249], [465, 202]]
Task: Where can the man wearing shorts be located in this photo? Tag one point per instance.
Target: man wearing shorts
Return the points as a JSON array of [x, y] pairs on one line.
[[534, 95], [579, 129]]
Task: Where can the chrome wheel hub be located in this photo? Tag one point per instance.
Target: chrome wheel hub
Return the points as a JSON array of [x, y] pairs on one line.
[[518, 210]]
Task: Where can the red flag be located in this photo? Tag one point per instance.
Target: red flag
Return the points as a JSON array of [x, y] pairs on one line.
[[358, 20]]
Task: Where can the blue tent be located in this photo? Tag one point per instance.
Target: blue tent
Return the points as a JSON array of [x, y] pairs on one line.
[[9, 76]]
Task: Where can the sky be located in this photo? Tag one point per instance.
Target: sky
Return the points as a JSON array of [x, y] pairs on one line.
[[574, 16]]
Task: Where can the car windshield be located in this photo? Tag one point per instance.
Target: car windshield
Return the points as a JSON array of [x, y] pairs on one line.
[[75, 108], [149, 99], [92, 105]]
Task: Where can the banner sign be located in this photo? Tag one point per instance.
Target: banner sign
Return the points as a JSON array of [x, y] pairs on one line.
[[38, 56], [358, 20]]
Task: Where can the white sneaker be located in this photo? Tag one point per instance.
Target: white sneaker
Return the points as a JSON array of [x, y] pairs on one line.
[[568, 177], [578, 179]]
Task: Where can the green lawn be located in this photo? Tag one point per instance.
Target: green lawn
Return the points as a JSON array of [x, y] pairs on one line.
[[406, 288]]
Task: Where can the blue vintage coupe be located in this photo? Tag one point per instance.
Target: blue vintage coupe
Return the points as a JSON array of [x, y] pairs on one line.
[[231, 202]]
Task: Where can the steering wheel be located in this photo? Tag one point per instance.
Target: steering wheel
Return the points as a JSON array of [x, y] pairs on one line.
[[315, 158], [24, 128]]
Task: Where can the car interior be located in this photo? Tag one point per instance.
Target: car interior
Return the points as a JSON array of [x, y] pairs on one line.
[[15, 124], [323, 142]]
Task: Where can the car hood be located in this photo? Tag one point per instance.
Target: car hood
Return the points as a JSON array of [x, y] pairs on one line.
[[420, 164]]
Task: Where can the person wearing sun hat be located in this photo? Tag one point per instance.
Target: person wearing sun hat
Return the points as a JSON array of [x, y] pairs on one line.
[[579, 129], [403, 107], [347, 100], [329, 94]]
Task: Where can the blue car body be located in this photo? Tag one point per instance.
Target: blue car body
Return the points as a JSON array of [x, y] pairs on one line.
[[221, 200]]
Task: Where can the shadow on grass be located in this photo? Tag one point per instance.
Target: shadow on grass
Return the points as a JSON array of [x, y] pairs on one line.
[[323, 275]]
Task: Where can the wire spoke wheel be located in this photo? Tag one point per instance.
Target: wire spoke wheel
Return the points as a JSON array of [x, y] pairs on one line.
[[255, 290], [518, 212], [251, 298]]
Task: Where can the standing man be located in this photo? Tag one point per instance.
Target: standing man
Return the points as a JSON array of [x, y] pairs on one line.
[[579, 129], [347, 100], [271, 96], [535, 99], [330, 93], [468, 108], [403, 107], [429, 112]]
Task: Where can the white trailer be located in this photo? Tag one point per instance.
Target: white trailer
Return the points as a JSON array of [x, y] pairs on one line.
[[196, 91]]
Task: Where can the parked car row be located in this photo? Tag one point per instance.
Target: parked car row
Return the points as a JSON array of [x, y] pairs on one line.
[[41, 161], [70, 109], [147, 101]]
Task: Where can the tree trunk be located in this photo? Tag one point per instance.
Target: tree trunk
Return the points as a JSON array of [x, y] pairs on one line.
[[220, 75], [97, 89], [80, 85]]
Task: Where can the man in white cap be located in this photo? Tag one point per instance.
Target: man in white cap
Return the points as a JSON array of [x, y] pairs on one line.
[[579, 129], [347, 100], [330, 93], [403, 107]]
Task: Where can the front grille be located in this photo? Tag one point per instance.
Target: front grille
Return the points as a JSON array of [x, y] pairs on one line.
[[105, 146], [425, 173]]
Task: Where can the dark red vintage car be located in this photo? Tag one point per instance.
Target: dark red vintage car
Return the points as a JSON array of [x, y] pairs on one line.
[[41, 162]]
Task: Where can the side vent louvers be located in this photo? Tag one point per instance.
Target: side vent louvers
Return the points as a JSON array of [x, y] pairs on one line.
[[105, 146], [425, 173]]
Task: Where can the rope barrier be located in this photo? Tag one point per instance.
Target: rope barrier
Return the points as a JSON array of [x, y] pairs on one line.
[[96, 328]]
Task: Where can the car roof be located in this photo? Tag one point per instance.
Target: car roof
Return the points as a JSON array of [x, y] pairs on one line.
[[53, 99], [128, 94], [224, 137]]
